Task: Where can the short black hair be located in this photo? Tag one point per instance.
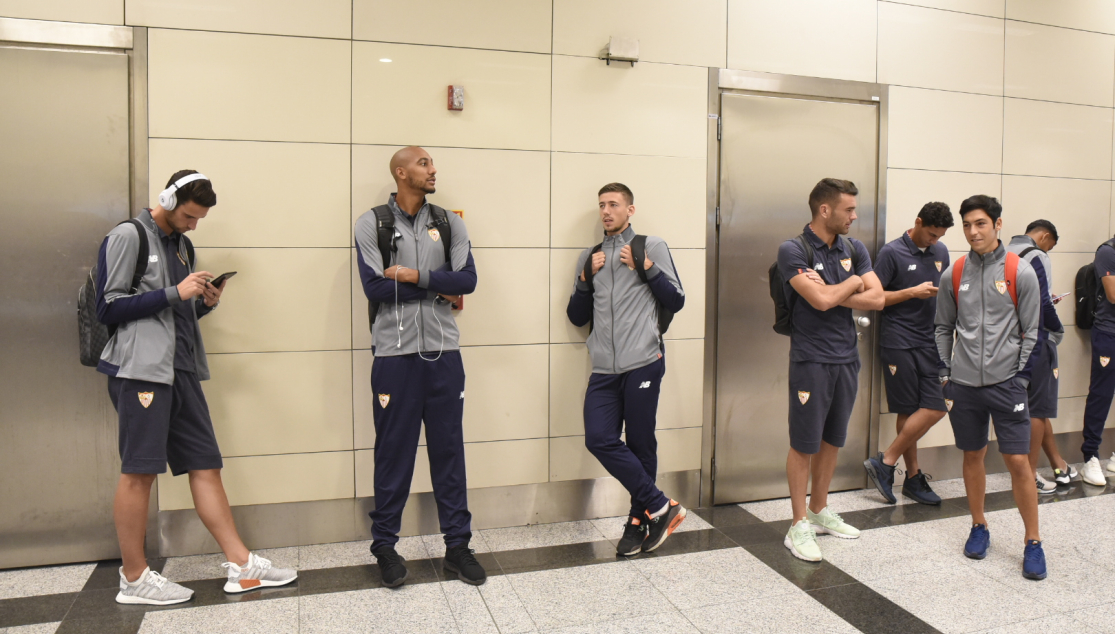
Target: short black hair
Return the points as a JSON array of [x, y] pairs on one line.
[[935, 214], [618, 188], [988, 204], [828, 191], [1043, 224], [199, 191]]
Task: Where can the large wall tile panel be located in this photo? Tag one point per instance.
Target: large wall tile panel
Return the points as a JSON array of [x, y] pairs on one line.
[[271, 480], [908, 190], [928, 48], [570, 368], [523, 25], [1054, 139], [268, 194], [1074, 356], [281, 402], [1087, 15], [939, 435], [669, 197], [936, 130], [1055, 64], [993, 8], [562, 277], [506, 392], [314, 18], [679, 449], [260, 310], [816, 38], [507, 97], [507, 463], [690, 322], [257, 87], [464, 182], [1078, 208], [651, 109], [675, 33], [571, 460], [94, 11], [511, 298]]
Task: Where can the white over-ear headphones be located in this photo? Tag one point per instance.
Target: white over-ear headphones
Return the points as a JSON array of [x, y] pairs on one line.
[[168, 199]]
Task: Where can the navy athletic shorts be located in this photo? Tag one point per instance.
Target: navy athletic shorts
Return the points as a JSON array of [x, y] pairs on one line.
[[1004, 403], [911, 379], [821, 399], [162, 423], [1043, 383]]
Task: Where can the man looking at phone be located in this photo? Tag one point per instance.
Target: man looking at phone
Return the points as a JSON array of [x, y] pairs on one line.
[[1040, 238], [909, 268], [155, 360]]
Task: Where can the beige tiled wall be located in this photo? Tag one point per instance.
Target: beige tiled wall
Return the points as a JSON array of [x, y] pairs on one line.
[[293, 111]]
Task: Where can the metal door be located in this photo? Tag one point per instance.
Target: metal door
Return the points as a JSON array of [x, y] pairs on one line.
[[773, 151], [64, 161]]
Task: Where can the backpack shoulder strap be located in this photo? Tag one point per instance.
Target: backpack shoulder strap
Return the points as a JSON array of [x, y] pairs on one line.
[[807, 248], [1010, 272], [1027, 251], [588, 267], [440, 219], [385, 233], [189, 252], [957, 274], [142, 256], [854, 251], [638, 256]]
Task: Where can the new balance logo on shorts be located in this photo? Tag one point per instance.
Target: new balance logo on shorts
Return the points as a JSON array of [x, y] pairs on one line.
[[644, 384], [1019, 407]]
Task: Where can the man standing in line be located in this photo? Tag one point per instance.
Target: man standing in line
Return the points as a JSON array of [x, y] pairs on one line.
[[1101, 387], [628, 361], [909, 268], [155, 361], [827, 276], [1040, 238], [990, 303], [417, 375]]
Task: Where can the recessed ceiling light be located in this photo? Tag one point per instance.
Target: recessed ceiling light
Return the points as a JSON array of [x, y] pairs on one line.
[[384, 59]]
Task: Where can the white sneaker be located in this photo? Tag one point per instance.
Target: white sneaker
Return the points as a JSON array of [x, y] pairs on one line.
[[1066, 476], [1092, 473], [1111, 463], [258, 573], [151, 589], [1045, 486]]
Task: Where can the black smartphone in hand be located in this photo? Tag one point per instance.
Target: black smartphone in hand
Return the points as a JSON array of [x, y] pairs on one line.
[[217, 281]]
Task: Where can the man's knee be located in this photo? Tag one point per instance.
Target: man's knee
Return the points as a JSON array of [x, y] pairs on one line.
[[138, 480]]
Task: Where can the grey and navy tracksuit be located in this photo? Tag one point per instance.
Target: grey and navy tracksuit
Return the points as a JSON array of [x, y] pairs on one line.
[[156, 358], [824, 357], [907, 348], [990, 365], [627, 362], [1102, 385], [1045, 376], [417, 375]]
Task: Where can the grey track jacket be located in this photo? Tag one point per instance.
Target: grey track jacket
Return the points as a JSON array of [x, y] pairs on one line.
[[993, 340], [143, 346], [435, 329], [624, 311]]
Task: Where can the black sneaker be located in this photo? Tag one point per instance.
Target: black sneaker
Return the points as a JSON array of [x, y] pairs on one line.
[[461, 560], [634, 534], [917, 489], [661, 527], [391, 566], [882, 476]]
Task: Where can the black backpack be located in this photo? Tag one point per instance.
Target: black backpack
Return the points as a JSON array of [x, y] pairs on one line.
[[92, 335], [638, 254], [385, 237], [1088, 292], [783, 309]]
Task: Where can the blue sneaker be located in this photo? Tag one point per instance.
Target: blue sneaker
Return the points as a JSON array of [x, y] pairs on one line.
[[979, 540], [1033, 561], [882, 476]]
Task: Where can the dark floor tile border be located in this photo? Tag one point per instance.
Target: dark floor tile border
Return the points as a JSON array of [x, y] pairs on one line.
[[868, 611], [38, 609], [119, 624]]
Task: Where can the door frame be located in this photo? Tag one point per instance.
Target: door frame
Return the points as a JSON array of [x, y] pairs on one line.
[[727, 81]]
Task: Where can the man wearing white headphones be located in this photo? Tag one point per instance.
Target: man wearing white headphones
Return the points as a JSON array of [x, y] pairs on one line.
[[155, 361], [415, 261]]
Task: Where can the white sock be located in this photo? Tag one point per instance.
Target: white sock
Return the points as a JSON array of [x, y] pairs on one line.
[[661, 511]]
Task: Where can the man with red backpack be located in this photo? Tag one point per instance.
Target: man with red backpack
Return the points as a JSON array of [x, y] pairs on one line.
[[987, 326]]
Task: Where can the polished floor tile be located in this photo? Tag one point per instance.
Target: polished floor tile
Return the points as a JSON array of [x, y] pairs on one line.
[[192, 568], [355, 553], [38, 628], [842, 502], [879, 553], [404, 610], [1059, 623], [551, 557], [708, 578], [538, 535], [868, 611], [505, 606], [468, 608], [665, 623], [29, 582], [40, 609], [590, 594], [258, 617], [793, 612], [1101, 618]]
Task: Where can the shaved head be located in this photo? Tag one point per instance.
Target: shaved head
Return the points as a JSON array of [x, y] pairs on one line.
[[413, 170], [406, 157]]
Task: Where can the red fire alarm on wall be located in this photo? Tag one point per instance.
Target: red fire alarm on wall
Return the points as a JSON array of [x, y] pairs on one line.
[[456, 97]]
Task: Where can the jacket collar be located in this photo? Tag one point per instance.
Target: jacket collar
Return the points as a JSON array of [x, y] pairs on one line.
[[399, 210], [999, 253], [912, 246], [1023, 239], [625, 236]]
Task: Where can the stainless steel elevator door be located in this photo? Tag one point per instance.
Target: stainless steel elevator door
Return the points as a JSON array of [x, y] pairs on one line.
[[773, 151], [64, 182]]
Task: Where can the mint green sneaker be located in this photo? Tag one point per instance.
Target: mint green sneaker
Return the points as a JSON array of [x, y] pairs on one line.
[[828, 523], [802, 541]]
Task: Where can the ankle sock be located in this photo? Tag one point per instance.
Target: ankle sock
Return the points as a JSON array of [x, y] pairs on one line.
[[661, 511]]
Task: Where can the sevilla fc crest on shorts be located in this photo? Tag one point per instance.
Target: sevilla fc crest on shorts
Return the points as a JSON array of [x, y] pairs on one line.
[[1055, 374], [384, 399], [893, 369], [948, 404], [846, 263], [1103, 362], [435, 235], [803, 397], [938, 265], [145, 398], [1001, 286]]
